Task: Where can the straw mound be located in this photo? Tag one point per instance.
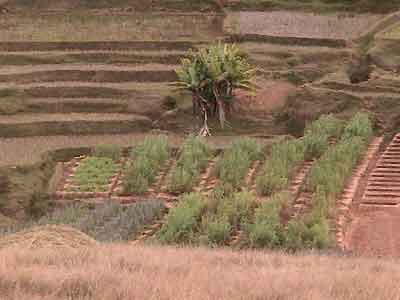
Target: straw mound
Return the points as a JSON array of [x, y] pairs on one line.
[[49, 236]]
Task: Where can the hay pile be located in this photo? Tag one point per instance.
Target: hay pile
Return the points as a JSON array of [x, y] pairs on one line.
[[49, 236]]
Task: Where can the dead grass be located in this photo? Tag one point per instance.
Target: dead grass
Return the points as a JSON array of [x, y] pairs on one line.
[[140, 272], [45, 237], [91, 27], [301, 24]]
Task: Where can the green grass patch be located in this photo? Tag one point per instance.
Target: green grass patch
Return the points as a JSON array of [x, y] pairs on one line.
[[147, 160], [93, 175]]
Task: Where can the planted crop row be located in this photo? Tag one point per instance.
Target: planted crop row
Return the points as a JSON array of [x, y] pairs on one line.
[[231, 168], [287, 156], [192, 161], [329, 175], [93, 175], [197, 220], [146, 161], [326, 182]]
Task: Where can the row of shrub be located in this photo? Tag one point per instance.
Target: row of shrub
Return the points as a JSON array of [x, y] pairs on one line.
[[146, 160], [329, 175], [326, 181], [197, 220], [192, 161], [200, 221], [287, 156]]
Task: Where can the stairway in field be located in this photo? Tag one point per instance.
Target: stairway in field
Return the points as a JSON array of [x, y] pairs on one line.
[[383, 188]]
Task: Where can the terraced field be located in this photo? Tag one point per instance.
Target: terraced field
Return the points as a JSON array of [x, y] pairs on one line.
[[58, 92]]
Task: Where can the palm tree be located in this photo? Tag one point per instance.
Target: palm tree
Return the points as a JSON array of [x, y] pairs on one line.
[[211, 75]]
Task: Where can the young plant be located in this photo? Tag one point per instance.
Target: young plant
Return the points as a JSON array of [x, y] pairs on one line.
[[268, 227], [183, 221], [279, 167], [192, 161], [148, 158], [232, 167], [93, 175]]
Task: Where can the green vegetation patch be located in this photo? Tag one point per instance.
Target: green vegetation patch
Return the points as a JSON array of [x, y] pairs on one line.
[[113, 152], [184, 220], [287, 156], [231, 168], [93, 175], [193, 160], [146, 161]]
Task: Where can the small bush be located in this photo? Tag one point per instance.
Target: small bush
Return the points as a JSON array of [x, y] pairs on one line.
[[183, 220], [238, 208], [325, 125], [113, 152], [268, 228], [315, 145], [308, 233], [360, 125], [217, 230], [148, 158]]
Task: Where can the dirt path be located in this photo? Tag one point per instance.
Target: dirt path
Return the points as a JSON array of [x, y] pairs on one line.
[[376, 218]]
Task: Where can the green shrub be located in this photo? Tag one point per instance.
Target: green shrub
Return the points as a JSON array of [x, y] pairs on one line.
[[217, 230], [279, 168], [325, 125], [360, 125], [108, 151], [267, 229], [232, 167], [331, 172], [238, 208], [315, 145], [183, 220], [310, 232], [192, 161], [148, 158]]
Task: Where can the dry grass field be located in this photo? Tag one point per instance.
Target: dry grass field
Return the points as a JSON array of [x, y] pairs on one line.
[[136, 272], [107, 27]]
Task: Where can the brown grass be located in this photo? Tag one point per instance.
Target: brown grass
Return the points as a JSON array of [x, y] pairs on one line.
[[45, 237], [140, 272]]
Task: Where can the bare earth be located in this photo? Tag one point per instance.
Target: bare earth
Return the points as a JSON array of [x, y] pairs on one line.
[[300, 24]]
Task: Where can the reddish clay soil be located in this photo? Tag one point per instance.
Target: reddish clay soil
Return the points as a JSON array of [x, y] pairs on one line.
[[270, 96], [305, 25], [376, 233], [376, 215]]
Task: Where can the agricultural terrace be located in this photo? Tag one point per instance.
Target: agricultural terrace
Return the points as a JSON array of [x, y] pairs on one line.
[[212, 124], [279, 195]]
